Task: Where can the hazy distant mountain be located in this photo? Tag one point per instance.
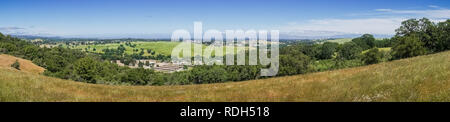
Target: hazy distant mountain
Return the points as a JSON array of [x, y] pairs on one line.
[[291, 35], [35, 37], [311, 34]]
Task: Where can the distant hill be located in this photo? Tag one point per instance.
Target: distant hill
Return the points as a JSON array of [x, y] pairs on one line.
[[31, 37], [423, 78], [312, 35], [166, 37]]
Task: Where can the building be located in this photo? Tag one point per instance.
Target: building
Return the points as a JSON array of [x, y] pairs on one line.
[[155, 65]]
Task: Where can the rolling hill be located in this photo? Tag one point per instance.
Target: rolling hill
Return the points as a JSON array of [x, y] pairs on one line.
[[423, 78]]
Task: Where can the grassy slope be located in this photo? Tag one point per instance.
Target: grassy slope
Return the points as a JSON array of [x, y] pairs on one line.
[[424, 78], [25, 65]]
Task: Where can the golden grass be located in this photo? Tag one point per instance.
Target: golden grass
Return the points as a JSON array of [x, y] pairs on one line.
[[423, 78], [25, 65]]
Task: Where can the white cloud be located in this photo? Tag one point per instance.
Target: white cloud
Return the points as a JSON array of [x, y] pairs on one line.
[[384, 10], [383, 22], [25, 31], [433, 6], [331, 27], [370, 25], [433, 13]]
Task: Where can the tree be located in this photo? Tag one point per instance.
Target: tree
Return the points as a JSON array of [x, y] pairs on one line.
[[86, 69], [292, 64], [8, 47], [30, 51], [312, 51], [443, 36], [349, 51], [16, 65], [372, 56], [407, 46], [327, 50], [141, 53], [140, 64], [413, 27], [208, 74], [121, 49], [147, 63], [383, 43], [366, 41], [425, 30]]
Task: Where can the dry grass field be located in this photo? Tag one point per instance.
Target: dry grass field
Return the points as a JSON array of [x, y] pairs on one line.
[[25, 65], [423, 78]]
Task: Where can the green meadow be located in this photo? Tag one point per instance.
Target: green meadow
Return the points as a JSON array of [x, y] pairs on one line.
[[159, 47]]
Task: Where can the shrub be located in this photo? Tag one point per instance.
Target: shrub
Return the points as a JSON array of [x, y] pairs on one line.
[[372, 56], [349, 51], [327, 50], [366, 41], [86, 69], [16, 65], [408, 46], [294, 64]]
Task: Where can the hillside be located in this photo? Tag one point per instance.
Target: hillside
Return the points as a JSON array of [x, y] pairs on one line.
[[25, 65], [423, 78]]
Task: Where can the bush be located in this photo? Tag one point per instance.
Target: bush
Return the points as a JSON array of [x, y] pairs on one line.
[[327, 50], [322, 65], [339, 63], [408, 46], [16, 65], [366, 41], [372, 56], [434, 36], [294, 64], [349, 51], [208, 74], [86, 69]]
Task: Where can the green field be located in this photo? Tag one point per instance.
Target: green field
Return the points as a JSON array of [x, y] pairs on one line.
[[160, 47], [385, 49], [340, 41], [422, 78]]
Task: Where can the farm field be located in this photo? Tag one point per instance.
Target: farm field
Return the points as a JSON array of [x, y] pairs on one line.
[[340, 41], [385, 49], [422, 78], [160, 47]]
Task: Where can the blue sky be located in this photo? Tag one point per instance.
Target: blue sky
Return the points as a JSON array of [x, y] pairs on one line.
[[153, 18]]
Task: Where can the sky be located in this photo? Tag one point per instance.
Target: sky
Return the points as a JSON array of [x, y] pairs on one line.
[[159, 18]]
